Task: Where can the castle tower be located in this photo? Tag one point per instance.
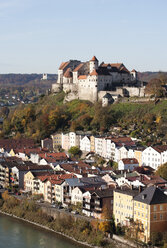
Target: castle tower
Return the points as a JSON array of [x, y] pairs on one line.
[[93, 64], [133, 75]]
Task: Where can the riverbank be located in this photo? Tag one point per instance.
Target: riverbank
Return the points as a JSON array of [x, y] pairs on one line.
[[85, 233], [83, 244]]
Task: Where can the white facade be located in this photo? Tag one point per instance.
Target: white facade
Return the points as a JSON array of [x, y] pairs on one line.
[[126, 166], [152, 158], [76, 196], [85, 144], [99, 145], [87, 198]]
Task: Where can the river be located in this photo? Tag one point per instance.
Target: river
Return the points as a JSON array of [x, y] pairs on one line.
[[17, 234]]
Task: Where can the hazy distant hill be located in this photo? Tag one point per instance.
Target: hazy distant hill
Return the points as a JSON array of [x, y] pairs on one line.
[[24, 79], [148, 75]]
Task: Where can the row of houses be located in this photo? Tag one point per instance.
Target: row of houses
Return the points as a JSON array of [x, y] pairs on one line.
[[137, 195], [144, 202], [114, 148]]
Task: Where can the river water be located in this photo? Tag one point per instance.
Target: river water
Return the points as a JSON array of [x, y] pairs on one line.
[[17, 234]]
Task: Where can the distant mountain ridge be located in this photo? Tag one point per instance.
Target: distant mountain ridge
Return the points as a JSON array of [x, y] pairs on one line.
[[148, 75], [24, 79]]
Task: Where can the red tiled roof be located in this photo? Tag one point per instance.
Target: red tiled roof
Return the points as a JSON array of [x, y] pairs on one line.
[[94, 59], [161, 148], [82, 77], [154, 180], [94, 73], [130, 161], [17, 143], [68, 73], [63, 65], [119, 66], [120, 141], [78, 67]]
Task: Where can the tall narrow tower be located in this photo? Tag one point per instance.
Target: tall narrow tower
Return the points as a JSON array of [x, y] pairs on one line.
[[93, 64]]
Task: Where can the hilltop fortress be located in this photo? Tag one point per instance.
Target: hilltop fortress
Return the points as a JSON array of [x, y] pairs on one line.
[[94, 82]]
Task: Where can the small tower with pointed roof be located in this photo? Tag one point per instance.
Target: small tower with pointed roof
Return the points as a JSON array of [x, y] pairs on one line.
[[93, 64], [133, 75]]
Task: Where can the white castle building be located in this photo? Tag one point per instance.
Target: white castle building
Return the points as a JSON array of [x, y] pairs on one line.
[[91, 81]]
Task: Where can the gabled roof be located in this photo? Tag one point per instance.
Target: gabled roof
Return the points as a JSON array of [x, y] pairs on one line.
[[94, 59], [127, 191], [78, 67], [161, 148], [68, 73], [82, 77], [104, 193], [130, 161], [154, 180], [123, 141], [94, 73], [63, 65], [74, 182], [152, 195]]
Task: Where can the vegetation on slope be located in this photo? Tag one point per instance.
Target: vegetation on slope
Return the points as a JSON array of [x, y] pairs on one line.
[[81, 230], [38, 120]]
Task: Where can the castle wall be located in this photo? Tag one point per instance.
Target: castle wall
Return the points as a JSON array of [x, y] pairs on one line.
[[135, 91], [70, 88], [56, 88], [87, 89], [104, 82]]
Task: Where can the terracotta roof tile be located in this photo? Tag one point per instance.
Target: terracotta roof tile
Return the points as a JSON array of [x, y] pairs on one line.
[[82, 77], [94, 73], [68, 73], [161, 148], [78, 67], [63, 65], [130, 161], [94, 59]]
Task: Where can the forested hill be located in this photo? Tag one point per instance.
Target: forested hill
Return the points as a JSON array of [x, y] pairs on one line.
[[145, 121], [24, 79]]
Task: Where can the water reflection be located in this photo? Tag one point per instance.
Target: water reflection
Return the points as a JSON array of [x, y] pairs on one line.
[[16, 234]]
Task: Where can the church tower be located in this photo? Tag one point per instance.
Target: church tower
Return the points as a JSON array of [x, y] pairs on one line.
[[93, 64]]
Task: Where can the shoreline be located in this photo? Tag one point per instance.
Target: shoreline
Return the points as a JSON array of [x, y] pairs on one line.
[[83, 244]]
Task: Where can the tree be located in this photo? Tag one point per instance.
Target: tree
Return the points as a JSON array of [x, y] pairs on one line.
[[107, 223], [154, 87], [162, 171], [5, 195], [135, 229], [74, 151]]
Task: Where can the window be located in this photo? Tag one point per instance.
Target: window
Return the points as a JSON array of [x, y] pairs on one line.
[[155, 216], [155, 208], [161, 216], [161, 207]]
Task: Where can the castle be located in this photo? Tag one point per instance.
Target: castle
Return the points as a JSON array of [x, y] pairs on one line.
[[91, 81]]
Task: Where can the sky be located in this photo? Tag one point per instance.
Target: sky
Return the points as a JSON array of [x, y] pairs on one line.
[[37, 35]]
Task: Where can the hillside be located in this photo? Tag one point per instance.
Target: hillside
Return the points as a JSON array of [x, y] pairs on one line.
[[24, 79], [148, 75], [38, 120]]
